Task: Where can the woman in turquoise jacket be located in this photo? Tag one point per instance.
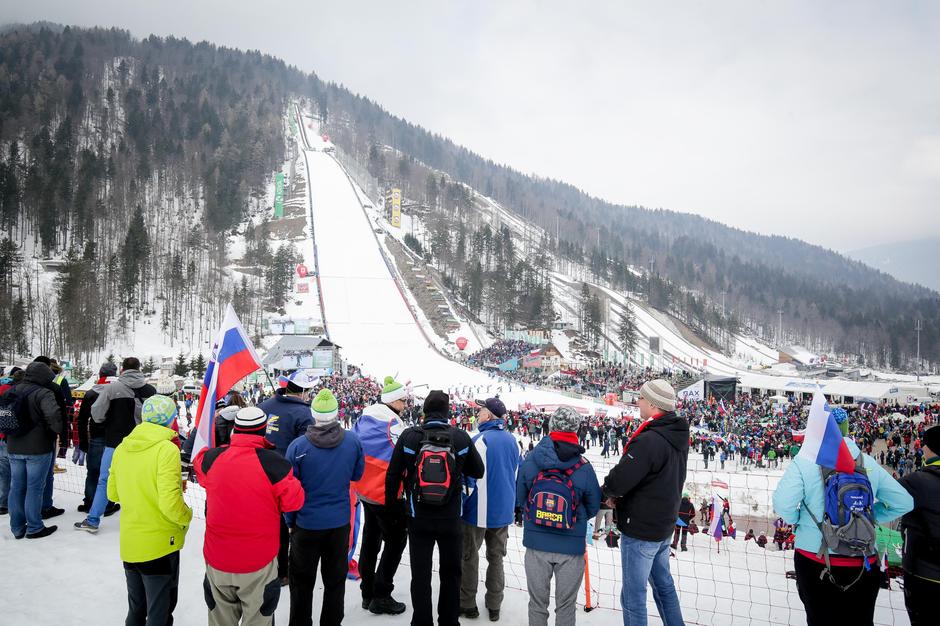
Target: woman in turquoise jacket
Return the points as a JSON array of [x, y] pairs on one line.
[[801, 493]]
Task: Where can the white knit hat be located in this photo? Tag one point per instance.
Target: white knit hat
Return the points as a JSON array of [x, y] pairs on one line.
[[250, 418], [660, 394]]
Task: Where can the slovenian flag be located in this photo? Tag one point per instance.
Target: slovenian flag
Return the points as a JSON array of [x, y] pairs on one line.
[[715, 530], [721, 407], [233, 357], [823, 443]]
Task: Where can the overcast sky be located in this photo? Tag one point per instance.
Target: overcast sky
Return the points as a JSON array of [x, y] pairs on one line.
[[819, 120]]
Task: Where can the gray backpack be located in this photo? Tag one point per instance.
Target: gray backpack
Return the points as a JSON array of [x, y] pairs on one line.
[[848, 524]]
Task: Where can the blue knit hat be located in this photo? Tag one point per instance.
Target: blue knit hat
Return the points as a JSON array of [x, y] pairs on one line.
[[842, 419]]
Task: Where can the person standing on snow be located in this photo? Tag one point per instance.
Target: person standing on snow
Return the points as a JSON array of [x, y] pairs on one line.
[[288, 415], [91, 439], [31, 452], [921, 531], [145, 477], [378, 429], [248, 488], [434, 500], [555, 545], [325, 460], [118, 407], [687, 515], [847, 594], [646, 487], [488, 509]]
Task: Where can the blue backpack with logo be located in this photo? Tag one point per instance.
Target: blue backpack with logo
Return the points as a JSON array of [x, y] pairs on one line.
[[552, 501], [848, 524]]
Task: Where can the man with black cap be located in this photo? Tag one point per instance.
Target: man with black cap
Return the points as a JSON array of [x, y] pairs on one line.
[[431, 460], [248, 487], [921, 531], [288, 416], [91, 439], [488, 509], [646, 487]]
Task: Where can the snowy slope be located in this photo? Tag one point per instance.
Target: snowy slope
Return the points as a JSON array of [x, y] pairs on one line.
[[366, 313]]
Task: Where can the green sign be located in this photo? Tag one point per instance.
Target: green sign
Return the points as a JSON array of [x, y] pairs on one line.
[[279, 195]]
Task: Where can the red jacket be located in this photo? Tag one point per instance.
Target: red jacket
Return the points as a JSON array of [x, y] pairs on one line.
[[248, 486]]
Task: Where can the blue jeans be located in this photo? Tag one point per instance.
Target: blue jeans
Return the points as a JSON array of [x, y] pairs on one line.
[[93, 464], [27, 480], [4, 474], [101, 492], [644, 561], [47, 488]]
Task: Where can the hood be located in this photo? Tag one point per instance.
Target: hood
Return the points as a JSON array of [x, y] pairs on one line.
[[229, 412], [672, 428], [562, 455], [97, 387], [325, 435], [497, 424], [380, 412], [38, 374], [134, 379], [146, 435]]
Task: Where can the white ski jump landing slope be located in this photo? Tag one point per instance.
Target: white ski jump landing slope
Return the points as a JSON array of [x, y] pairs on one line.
[[366, 313]]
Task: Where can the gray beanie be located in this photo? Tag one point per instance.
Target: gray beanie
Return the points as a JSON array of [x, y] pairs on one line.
[[564, 420], [660, 394]]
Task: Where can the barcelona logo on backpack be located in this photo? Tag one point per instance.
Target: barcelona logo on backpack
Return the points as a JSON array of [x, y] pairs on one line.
[[552, 502]]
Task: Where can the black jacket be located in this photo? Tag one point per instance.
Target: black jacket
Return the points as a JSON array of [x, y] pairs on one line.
[[44, 411], [115, 405], [403, 464], [921, 527], [647, 482], [686, 510], [88, 428]]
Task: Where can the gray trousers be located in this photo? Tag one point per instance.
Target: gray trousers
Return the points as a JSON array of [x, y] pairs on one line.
[[495, 540], [249, 599], [568, 570]]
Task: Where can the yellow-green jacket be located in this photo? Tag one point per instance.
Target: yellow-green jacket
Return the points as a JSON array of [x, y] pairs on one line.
[[145, 480]]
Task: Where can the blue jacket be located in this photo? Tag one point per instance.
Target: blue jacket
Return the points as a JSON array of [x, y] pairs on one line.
[[288, 418], [586, 488], [490, 501], [325, 461], [801, 486]]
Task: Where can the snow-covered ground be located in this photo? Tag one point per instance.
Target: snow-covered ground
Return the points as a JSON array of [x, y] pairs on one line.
[[739, 583]]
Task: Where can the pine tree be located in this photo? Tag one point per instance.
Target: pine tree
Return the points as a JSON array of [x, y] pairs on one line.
[[198, 365], [149, 366], [181, 368], [627, 332]]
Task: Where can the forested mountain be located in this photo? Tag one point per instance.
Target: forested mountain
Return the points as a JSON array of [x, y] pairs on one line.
[[128, 161]]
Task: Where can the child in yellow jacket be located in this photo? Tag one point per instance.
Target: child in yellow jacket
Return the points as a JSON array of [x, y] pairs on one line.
[[146, 480]]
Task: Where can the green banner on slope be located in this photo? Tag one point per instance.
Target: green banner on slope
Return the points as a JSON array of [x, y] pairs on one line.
[[279, 195]]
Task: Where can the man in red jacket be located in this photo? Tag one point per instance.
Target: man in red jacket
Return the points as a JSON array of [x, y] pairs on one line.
[[248, 487]]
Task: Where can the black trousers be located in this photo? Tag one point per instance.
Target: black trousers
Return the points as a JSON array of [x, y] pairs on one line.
[[282, 550], [920, 599], [423, 534], [308, 549], [675, 535], [826, 604], [377, 527], [152, 588]]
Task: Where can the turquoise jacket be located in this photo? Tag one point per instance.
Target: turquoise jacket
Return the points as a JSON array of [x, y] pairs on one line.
[[801, 486]]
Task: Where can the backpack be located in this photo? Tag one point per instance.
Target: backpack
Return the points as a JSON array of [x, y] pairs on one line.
[[435, 468], [848, 524], [14, 413], [552, 501], [138, 405]]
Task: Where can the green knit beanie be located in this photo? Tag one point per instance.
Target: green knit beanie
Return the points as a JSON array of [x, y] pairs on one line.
[[324, 407], [393, 390], [158, 410]]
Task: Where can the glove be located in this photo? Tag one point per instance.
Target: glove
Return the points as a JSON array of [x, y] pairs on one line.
[[78, 457]]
